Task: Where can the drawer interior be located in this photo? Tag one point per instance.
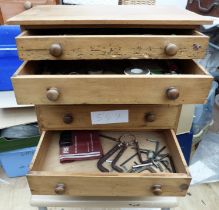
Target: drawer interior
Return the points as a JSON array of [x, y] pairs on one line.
[[76, 68], [47, 160], [110, 31]]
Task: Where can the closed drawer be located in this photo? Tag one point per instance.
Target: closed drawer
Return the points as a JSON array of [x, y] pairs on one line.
[[48, 176], [68, 117], [111, 43], [67, 82]]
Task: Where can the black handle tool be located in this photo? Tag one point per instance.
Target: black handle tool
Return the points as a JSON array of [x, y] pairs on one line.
[[113, 164], [106, 156]]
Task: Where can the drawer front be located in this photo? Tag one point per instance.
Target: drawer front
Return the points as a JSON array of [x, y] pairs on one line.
[[80, 178], [66, 47], [190, 88], [67, 117]]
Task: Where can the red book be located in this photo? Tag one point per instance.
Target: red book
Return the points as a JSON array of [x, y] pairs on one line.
[[79, 145]]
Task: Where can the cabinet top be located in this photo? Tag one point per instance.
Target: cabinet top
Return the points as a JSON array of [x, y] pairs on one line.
[[128, 15]]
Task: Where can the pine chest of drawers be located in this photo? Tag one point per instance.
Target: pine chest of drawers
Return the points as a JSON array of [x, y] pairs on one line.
[[60, 44]]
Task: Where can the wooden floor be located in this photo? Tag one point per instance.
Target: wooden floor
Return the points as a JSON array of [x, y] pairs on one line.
[[15, 195]]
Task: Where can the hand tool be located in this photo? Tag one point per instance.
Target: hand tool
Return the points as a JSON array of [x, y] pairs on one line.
[[142, 165], [166, 165], [126, 161], [158, 152], [157, 143], [146, 168], [113, 164], [139, 152], [106, 156], [109, 137], [172, 164]]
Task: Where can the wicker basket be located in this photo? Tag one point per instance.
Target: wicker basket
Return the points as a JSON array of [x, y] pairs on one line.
[[125, 2]]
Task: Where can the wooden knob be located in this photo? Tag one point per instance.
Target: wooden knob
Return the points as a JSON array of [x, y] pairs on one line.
[[157, 189], [150, 117], [52, 94], [172, 93], [171, 49], [27, 5], [60, 189], [55, 50], [68, 119]]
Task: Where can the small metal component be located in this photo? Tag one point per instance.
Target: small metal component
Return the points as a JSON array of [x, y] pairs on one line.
[[109, 137], [150, 154], [126, 161]]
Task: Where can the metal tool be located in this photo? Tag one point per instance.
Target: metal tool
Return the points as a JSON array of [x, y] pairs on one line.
[[157, 143], [126, 161], [113, 164], [146, 168], [158, 152], [142, 165], [139, 152], [166, 165], [106, 156]]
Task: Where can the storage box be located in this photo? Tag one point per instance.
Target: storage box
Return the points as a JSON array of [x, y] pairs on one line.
[[9, 60], [14, 144], [16, 163]]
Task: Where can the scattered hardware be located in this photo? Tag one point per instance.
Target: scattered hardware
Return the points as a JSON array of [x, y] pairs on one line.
[[154, 160], [85, 145]]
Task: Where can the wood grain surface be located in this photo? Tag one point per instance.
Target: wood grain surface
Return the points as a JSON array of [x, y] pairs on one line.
[[166, 116], [141, 46], [126, 14], [193, 87]]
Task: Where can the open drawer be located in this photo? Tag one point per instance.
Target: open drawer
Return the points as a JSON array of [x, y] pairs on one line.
[[111, 43], [48, 176], [107, 117], [68, 82]]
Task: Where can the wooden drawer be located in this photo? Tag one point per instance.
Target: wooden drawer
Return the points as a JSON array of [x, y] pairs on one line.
[[31, 87], [69, 117], [82, 178], [66, 44]]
